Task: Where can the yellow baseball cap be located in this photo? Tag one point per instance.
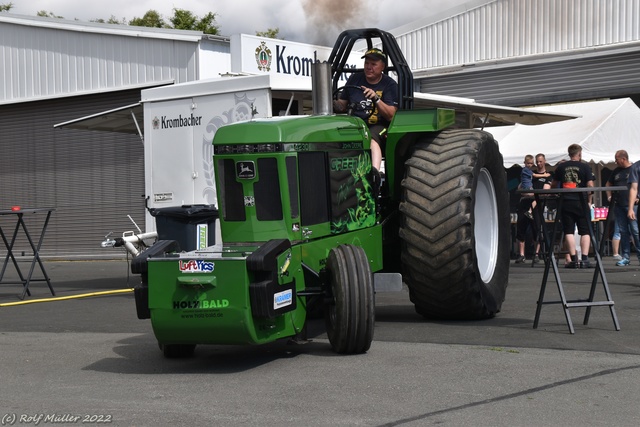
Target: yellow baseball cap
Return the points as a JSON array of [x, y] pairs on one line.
[[375, 54]]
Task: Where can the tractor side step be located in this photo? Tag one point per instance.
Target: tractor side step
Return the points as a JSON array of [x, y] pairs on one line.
[[387, 282]]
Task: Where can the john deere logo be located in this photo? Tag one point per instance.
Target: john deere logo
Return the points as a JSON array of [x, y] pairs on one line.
[[245, 170], [263, 57]]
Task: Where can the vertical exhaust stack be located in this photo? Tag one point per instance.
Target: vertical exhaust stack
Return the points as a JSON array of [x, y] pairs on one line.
[[321, 88]]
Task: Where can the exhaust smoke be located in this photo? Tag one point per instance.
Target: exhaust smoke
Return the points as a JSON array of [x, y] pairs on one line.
[[328, 18]]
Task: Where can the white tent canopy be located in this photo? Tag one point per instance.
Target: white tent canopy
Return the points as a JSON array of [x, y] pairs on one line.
[[603, 128]]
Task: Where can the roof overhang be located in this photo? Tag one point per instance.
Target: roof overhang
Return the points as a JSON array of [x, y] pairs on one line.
[[489, 114], [102, 28], [126, 119]]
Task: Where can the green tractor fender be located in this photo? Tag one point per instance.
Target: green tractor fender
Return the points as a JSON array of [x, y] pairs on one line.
[[405, 128]]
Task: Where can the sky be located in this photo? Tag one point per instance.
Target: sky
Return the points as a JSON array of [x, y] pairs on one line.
[[305, 21]]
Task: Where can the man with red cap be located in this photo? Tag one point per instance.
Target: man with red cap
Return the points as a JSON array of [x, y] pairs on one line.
[[375, 91]]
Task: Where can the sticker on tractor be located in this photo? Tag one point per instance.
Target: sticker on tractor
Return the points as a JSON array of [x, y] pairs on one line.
[[202, 315], [246, 170], [354, 203], [282, 299], [196, 266], [285, 266], [202, 236], [346, 164], [197, 304]]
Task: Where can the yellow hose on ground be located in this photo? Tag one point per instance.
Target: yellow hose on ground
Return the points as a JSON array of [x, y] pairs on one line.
[[92, 294]]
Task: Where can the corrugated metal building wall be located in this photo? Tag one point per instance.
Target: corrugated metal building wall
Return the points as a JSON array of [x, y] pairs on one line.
[[43, 57], [54, 71], [503, 29], [544, 82], [524, 52], [92, 179]]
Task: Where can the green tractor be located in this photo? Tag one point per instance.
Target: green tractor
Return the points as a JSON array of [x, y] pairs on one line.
[[307, 230]]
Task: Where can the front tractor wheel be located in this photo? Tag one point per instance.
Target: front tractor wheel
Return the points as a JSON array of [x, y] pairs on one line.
[[455, 226], [349, 316]]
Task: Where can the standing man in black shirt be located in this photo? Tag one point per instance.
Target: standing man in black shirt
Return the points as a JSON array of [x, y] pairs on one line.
[[628, 229], [575, 174]]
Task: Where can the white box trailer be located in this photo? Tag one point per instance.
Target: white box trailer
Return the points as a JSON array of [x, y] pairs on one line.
[[180, 122]]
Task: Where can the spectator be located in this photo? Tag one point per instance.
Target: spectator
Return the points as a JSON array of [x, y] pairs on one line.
[[538, 180], [632, 212], [626, 227], [573, 174], [526, 183]]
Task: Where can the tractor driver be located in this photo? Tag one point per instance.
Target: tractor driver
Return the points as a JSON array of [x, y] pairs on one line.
[[379, 92]]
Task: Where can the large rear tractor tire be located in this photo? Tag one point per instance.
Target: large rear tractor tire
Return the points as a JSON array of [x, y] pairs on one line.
[[350, 314], [455, 226]]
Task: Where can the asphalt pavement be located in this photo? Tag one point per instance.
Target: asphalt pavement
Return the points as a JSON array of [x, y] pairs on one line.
[[83, 357]]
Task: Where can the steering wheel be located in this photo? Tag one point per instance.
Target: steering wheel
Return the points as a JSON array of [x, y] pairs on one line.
[[368, 109]]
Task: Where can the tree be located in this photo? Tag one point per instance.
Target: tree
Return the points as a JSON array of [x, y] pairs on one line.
[[206, 24], [182, 19], [185, 20], [271, 33], [150, 19], [111, 20], [46, 14]]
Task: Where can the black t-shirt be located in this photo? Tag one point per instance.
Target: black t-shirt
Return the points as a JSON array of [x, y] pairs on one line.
[[386, 89], [620, 176], [538, 183], [573, 174]]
